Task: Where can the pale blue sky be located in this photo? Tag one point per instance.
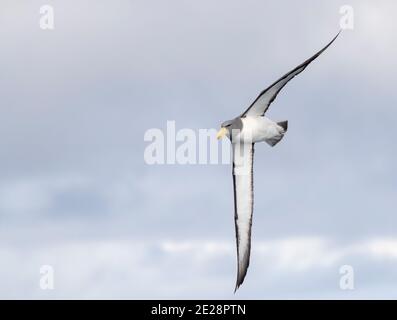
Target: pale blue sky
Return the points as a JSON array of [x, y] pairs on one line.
[[75, 192]]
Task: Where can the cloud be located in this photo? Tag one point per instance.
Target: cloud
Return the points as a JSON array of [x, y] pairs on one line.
[[132, 268]]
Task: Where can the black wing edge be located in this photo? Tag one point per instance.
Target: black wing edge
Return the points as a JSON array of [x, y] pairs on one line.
[[304, 65], [241, 276]]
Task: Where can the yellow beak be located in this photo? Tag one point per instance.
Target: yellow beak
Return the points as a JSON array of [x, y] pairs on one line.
[[221, 133]]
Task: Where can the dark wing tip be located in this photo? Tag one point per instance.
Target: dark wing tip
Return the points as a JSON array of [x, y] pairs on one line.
[[293, 72], [241, 273], [334, 38], [238, 284], [240, 280], [308, 61]]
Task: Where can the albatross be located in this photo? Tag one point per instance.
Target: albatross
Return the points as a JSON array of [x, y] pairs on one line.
[[243, 132]]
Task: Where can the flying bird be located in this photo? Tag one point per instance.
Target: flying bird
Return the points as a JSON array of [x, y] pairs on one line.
[[244, 131]]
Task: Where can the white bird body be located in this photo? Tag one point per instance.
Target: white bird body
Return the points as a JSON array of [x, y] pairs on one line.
[[244, 131], [258, 129]]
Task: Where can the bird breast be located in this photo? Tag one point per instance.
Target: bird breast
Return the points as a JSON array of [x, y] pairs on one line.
[[257, 129]]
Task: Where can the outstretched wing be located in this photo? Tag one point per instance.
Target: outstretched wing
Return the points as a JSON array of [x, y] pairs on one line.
[[267, 96], [243, 155]]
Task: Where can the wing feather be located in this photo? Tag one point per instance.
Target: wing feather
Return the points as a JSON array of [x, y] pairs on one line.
[[243, 155], [267, 96]]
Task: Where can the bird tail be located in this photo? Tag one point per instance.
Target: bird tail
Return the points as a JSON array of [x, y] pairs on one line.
[[284, 125], [276, 139]]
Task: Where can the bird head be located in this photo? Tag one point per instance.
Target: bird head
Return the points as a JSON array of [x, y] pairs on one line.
[[229, 127], [224, 130]]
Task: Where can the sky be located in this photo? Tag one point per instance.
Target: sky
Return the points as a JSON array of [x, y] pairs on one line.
[[77, 195]]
